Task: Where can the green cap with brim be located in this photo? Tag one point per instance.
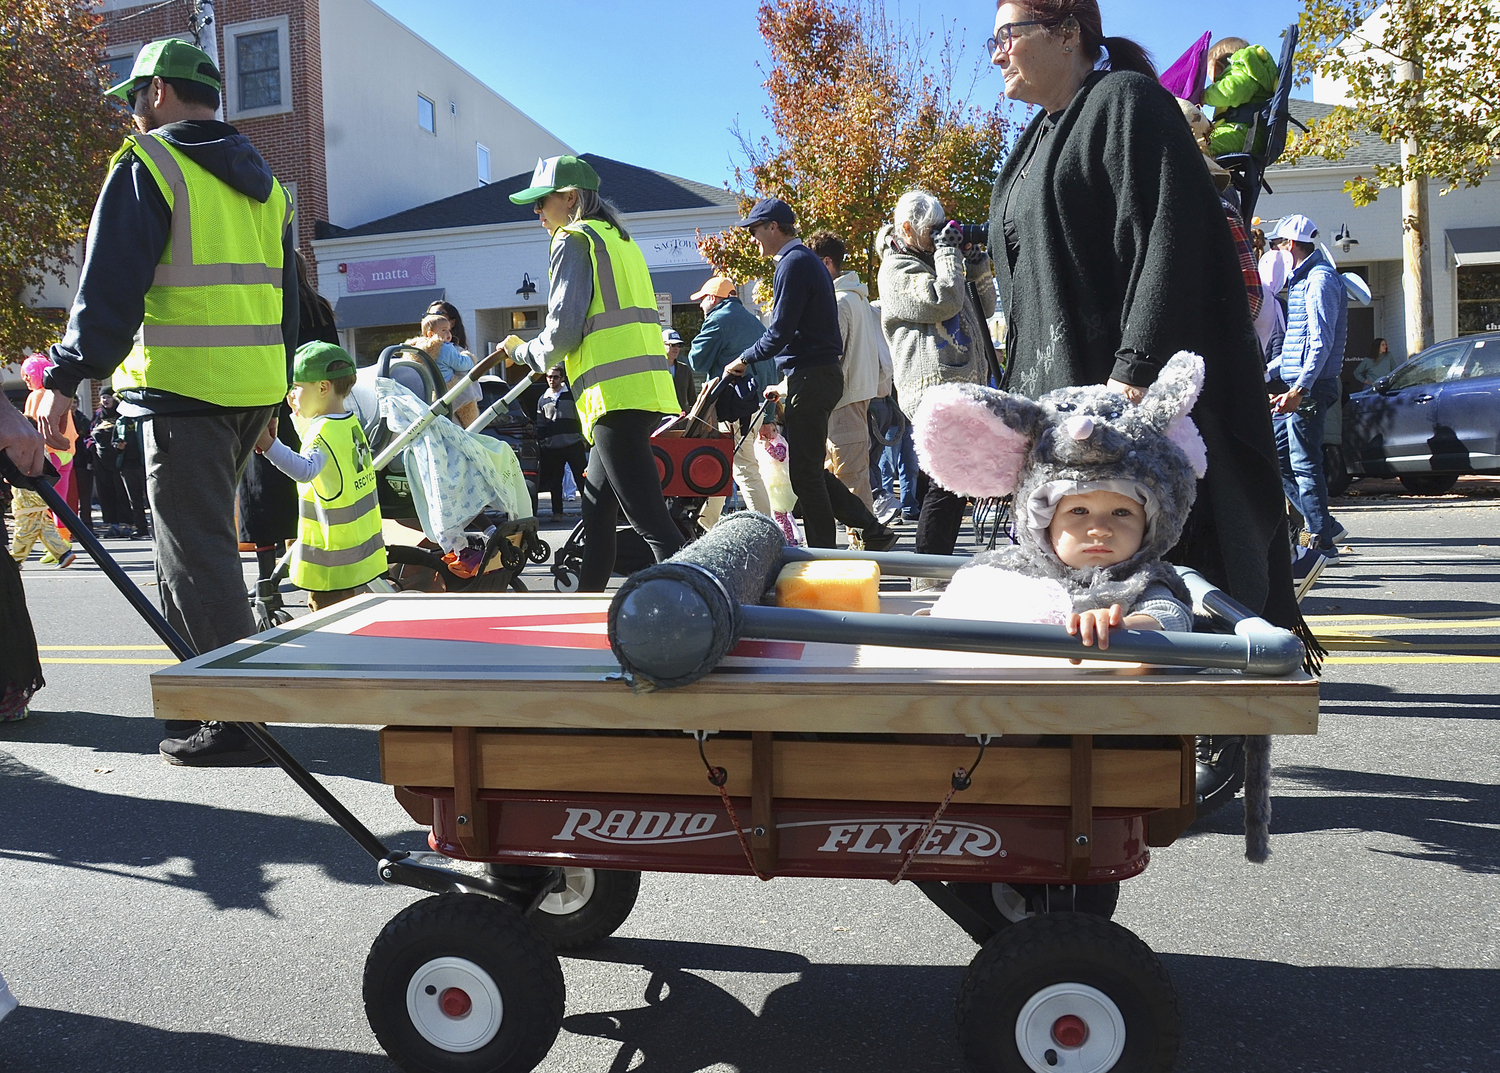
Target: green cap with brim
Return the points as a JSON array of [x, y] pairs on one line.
[[555, 173], [321, 361], [168, 59]]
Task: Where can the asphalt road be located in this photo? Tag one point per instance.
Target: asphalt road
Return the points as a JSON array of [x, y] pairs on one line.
[[158, 919]]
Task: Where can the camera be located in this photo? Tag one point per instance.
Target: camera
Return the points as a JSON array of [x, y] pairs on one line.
[[973, 234]]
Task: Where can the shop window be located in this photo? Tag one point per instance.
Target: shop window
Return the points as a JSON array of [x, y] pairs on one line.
[[1478, 299]]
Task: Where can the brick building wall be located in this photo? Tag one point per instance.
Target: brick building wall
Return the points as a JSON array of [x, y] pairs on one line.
[[292, 142]]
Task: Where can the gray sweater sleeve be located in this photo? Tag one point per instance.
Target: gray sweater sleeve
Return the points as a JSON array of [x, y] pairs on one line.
[[300, 468], [572, 290], [1158, 602]]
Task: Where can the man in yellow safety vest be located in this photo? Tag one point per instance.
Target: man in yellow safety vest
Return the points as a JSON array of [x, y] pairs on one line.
[[188, 298]]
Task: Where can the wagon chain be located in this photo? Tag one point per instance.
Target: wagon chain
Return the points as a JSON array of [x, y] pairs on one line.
[[962, 779], [717, 777]]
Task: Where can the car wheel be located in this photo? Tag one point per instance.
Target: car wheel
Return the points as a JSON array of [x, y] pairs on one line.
[[1428, 484]]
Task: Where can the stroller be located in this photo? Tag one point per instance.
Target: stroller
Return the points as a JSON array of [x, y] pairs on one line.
[[502, 544], [694, 460]]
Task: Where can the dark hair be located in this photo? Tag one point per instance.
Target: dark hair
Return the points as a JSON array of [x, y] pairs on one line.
[[1305, 247], [1375, 346], [827, 244], [342, 385], [1124, 54], [455, 322], [191, 92]]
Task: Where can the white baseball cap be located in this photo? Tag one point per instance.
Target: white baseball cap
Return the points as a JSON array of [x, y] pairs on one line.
[[1296, 227]]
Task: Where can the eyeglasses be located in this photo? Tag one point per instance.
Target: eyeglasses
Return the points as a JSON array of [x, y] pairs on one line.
[[1005, 36], [135, 91]]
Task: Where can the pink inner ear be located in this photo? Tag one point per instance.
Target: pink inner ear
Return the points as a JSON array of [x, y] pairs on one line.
[[965, 447]]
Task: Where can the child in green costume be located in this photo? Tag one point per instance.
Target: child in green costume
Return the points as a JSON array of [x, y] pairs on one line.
[[1242, 83]]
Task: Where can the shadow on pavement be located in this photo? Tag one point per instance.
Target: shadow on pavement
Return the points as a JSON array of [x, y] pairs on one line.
[[1363, 698], [1452, 822], [52, 823], [46, 1041], [832, 1017], [352, 752], [1238, 1015]]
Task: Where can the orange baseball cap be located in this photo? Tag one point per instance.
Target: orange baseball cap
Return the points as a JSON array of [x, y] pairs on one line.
[[718, 286]]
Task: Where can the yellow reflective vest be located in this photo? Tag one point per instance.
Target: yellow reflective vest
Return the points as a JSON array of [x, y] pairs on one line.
[[621, 363], [212, 329], [339, 545]]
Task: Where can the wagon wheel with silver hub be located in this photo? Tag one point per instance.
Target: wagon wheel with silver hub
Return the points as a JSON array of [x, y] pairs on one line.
[[586, 905], [462, 983], [1070, 993]]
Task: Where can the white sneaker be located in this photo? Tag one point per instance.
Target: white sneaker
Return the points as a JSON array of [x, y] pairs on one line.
[[7, 1000]]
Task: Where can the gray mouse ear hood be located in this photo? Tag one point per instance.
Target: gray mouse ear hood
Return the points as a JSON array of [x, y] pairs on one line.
[[982, 442]]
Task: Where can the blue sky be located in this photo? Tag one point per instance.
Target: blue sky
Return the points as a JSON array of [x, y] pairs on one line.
[[660, 84]]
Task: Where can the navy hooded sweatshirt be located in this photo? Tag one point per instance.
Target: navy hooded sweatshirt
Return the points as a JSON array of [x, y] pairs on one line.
[[127, 235]]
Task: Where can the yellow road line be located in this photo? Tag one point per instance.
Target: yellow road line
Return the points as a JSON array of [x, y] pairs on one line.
[[1412, 659], [1416, 615], [1345, 629], [1375, 644], [102, 648], [65, 659]]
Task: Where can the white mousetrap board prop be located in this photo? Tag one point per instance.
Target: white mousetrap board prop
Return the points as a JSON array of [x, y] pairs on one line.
[[543, 661]]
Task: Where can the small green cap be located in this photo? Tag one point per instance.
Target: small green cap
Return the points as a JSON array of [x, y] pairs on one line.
[[321, 361], [168, 59], [556, 172]]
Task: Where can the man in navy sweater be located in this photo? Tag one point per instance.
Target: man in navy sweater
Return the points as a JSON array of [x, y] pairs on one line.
[[805, 341]]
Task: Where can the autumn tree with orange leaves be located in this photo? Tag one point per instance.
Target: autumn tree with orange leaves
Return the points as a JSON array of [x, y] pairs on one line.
[[56, 135], [862, 112]]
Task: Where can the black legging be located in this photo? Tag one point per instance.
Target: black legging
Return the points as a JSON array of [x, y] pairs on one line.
[[942, 517], [621, 472]]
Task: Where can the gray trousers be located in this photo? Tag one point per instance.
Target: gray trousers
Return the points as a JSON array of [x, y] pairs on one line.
[[193, 465]]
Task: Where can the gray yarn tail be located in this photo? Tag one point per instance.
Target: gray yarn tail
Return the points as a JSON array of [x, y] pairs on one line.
[[1258, 798]]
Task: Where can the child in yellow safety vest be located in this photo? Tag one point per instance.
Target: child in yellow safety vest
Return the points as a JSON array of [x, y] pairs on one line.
[[339, 544]]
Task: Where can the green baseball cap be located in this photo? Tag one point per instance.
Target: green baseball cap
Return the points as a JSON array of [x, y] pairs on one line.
[[168, 59], [556, 172], [321, 361]]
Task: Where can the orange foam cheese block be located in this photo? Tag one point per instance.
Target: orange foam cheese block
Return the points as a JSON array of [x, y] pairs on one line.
[[830, 585]]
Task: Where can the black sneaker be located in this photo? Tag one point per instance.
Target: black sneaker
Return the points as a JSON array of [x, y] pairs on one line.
[[215, 745], [181, 729], [879, 539]]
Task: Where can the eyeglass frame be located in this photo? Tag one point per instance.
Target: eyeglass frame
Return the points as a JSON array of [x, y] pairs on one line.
[[1007, 32]]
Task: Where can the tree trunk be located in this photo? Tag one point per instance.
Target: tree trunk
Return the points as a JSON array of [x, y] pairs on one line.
[[1416, 245]]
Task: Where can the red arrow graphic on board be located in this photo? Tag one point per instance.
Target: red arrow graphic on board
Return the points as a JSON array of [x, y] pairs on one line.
[[540, 631]]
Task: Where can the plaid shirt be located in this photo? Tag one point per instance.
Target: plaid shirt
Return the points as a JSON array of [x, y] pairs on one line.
[[1248, 269]]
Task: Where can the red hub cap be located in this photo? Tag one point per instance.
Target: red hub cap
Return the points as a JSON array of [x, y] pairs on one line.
[[1070, 1031], [455, 1002]]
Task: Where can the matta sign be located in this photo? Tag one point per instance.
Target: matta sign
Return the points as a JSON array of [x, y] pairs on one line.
[[393, 273]]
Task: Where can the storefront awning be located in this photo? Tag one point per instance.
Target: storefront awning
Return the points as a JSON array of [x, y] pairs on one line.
[[681, 282], [385, 308], [1475, 245]]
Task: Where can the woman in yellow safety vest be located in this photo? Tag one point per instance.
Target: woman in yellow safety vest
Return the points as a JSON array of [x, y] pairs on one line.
[[602, 324]]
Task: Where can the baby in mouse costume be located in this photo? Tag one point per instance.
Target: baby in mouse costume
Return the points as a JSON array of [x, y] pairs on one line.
[[1102, 490]]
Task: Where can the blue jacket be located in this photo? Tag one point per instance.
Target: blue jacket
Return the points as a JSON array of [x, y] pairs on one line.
[[728, 331], [804, 330], [1317, 319]]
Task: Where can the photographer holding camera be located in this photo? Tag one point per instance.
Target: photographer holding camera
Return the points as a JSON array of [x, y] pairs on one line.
[[935, 329]]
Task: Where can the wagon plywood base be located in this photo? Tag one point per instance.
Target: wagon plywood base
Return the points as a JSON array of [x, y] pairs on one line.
[[544, 662]]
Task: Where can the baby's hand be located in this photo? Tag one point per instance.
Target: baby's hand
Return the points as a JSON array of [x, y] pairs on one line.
[[1096, 623], [267, 435]]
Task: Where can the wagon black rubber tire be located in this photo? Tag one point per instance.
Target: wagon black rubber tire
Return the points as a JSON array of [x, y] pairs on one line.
[[493, 936], [1428, 484], [1062, 948], [613, 897]]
